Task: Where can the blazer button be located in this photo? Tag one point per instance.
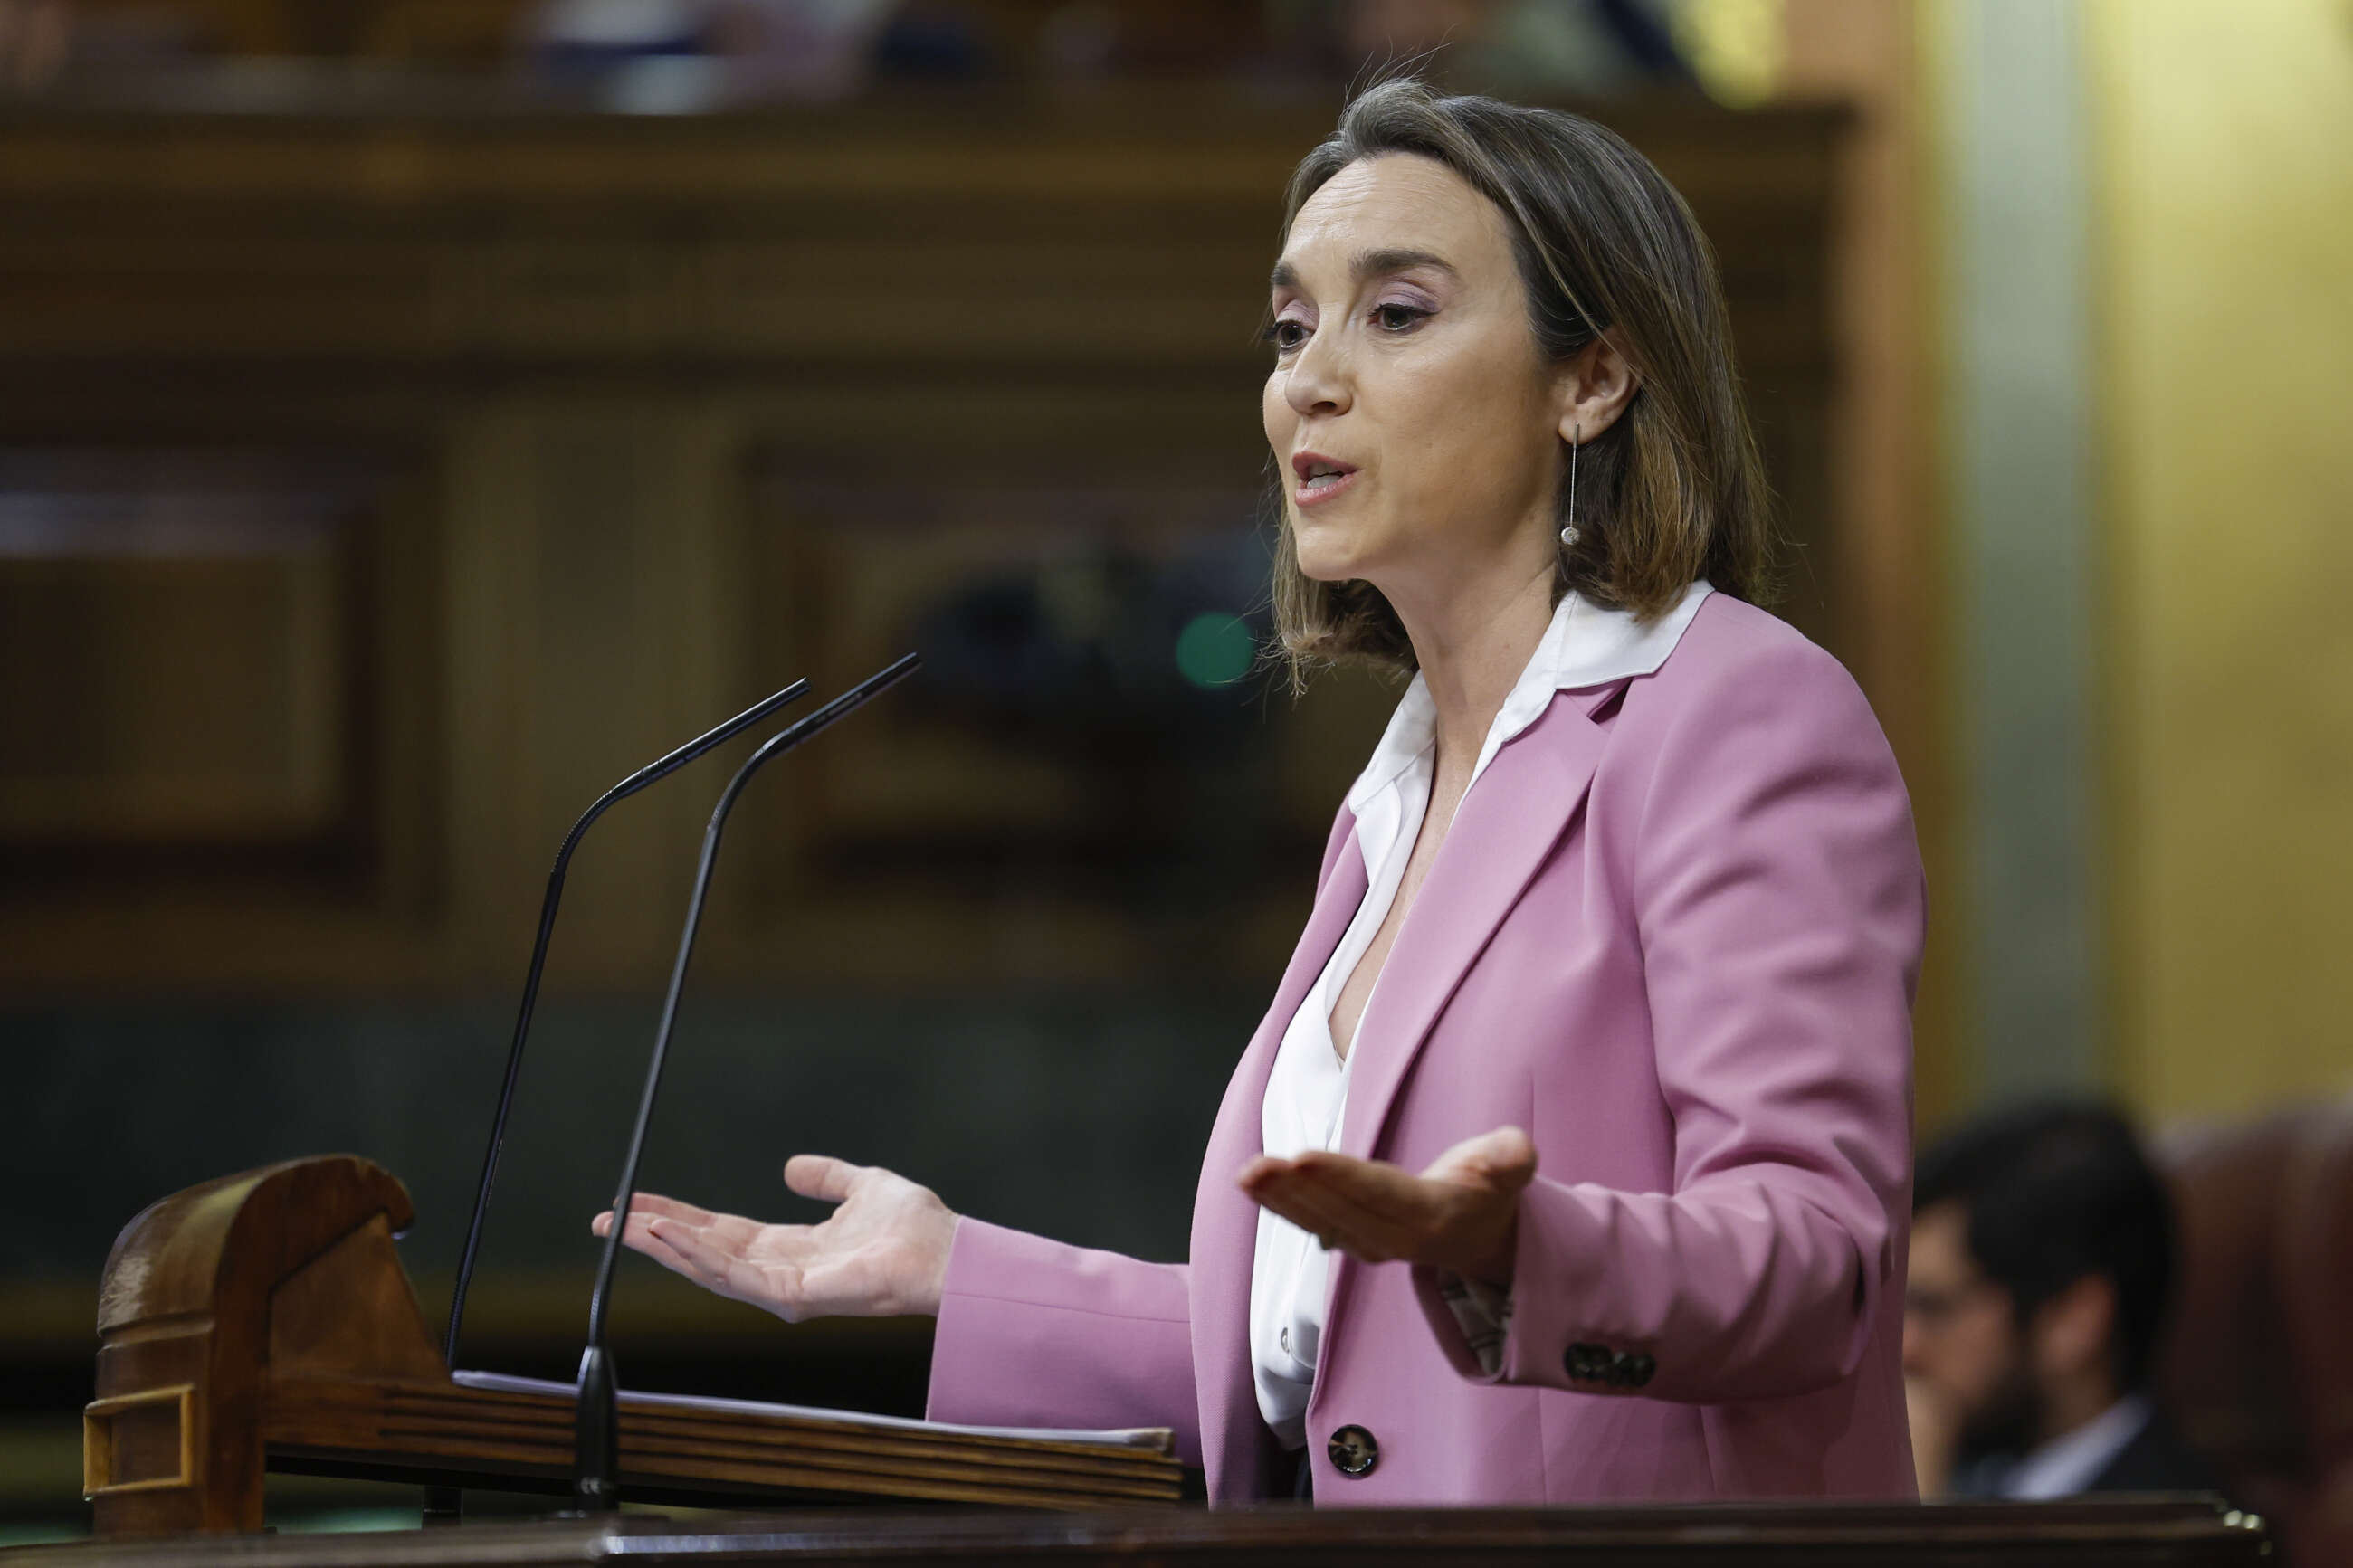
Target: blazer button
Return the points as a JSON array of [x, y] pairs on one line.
[[1354, 1452], [1589, 1362]]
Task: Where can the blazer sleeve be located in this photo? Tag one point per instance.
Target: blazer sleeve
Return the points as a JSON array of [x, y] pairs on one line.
[[1033, 1332], [1780, 908]]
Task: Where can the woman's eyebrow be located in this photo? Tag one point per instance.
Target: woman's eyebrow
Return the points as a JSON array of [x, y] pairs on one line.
[[1381, 263], [1370, 264]]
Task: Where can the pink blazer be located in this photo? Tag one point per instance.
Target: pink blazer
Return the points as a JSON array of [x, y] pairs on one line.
[[1673, 933]]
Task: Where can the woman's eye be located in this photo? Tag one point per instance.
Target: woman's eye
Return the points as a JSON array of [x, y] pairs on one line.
[[1287, 335], [1398, 318]]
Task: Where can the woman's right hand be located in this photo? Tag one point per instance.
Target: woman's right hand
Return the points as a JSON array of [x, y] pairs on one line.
[[883, 1251]]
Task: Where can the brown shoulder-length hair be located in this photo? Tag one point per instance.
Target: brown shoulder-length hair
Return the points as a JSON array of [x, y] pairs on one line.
[[1675, 489]]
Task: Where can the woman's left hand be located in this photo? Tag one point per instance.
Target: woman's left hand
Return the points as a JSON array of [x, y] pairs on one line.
[[1461, 1213]]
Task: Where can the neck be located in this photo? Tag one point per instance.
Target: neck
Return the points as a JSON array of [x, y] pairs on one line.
[[1472, 644]]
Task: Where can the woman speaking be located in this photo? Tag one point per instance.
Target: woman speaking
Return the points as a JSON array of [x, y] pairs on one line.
[[1571, 1162]]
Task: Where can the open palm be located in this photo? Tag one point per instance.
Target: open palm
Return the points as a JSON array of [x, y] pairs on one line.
[[1461, 1213], [882, 1252]]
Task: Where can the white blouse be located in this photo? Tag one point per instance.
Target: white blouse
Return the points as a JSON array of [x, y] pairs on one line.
[[1307, 1090]]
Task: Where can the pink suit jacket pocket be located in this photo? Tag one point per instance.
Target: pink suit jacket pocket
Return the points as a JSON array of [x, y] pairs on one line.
[[1673, 933]]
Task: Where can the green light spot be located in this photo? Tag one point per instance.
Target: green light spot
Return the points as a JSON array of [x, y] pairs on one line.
[[1213, 649]]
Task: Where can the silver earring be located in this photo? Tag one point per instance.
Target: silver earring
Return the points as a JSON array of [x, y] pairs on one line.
[[1568, 534]]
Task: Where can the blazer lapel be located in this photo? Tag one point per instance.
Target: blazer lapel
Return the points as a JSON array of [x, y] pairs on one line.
[[1225, 1221], [1508, 824]]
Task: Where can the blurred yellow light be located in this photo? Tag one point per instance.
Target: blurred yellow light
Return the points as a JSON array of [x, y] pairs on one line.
[[1737, 48]]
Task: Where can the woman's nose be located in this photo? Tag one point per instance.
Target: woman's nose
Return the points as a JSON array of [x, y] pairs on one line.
[[1317, 381]]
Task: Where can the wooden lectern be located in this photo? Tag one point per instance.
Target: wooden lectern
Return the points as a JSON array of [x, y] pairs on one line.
[[264, 1321]]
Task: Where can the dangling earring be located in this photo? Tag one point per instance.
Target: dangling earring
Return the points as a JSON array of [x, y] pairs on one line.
[[1568, 534]]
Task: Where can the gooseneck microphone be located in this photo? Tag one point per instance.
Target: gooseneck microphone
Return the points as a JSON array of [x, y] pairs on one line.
[[619, 792], [596, 1455]]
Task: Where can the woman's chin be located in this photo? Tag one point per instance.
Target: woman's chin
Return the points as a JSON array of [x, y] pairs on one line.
[[1326, 559]]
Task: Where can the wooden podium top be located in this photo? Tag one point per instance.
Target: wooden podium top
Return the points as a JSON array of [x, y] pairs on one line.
[[263, 1322], [2177, 1532]]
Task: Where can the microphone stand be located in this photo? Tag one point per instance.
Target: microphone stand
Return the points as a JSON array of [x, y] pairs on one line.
[[596, 1455], [441, 1503]]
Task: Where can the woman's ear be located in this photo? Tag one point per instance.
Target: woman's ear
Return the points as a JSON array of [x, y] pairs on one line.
[[1593, 386]]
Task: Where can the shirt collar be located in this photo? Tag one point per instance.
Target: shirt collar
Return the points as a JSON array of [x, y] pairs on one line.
[[2067, 1464], [1584, 646]]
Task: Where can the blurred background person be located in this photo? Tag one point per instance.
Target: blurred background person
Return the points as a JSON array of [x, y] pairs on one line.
[[2042, 1266]]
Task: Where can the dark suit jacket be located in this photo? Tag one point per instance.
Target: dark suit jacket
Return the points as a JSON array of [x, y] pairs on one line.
[[2156, 1461]]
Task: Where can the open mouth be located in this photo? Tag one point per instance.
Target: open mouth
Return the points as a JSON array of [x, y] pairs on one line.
[[1320, 477]]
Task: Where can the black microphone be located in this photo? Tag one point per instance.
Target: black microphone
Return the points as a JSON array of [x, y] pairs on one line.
[[619, 792], [596, 1436]]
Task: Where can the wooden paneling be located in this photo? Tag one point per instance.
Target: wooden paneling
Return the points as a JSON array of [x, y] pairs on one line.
[[678, 410], [180, 651]]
